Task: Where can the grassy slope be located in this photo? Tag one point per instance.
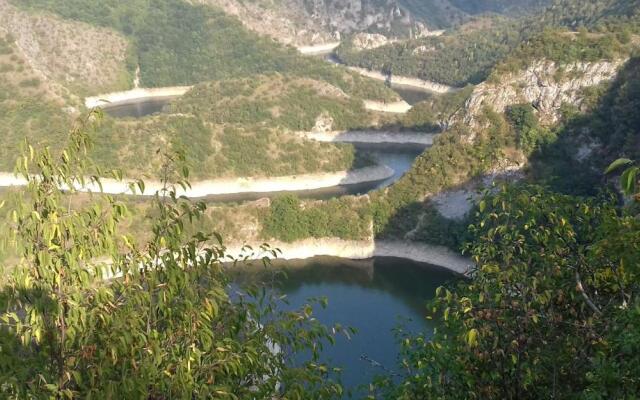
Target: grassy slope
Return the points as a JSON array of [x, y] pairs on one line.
[[28, 108], [239, 127]]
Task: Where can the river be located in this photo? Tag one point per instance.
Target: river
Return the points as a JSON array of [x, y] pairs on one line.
[[373, 296], [400, 158]]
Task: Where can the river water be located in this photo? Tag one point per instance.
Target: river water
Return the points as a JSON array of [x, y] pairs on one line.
[[373, 296]]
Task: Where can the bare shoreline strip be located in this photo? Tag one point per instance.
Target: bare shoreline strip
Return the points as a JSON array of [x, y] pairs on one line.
[[373, 137], [318, 49], [396, 107], [229, 186], [360, 250], [405, 81], [139, 94], [132, 95]]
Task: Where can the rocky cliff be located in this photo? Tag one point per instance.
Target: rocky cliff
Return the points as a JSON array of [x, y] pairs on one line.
[[544, 84], [307, 22]]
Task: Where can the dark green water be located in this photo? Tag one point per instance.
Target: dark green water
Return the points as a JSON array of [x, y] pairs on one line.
[[373, 296]]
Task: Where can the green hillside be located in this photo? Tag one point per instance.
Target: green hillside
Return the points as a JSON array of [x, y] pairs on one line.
[[468, 54], [215, 46]]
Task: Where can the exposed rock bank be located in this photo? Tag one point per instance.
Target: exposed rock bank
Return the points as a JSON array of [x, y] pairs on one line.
[[318, 49], [133, 95], [373, 137], [396, 107], [236, 185], [359, 250], [408, 82], [544, 84]]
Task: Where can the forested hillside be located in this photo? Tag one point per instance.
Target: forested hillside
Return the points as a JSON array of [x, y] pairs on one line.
[[468, 54], [215, 46]]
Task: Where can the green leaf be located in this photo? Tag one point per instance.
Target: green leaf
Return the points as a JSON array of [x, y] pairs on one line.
[[472, 338], [617, 164], [628, 180]]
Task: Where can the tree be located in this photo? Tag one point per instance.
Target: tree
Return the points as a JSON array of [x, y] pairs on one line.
[[90, 313], [543, 316]]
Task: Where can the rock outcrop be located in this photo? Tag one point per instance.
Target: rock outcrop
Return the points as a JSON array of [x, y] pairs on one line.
[[544, 84], [369, 41], [313, 22]]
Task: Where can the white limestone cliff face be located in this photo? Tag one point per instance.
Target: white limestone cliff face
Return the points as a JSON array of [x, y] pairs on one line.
[[544, 84], [306, 23]]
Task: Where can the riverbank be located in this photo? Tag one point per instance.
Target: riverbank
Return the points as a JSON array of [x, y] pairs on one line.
[[359, 250], [373, 137], [133, 95], [141, 95], [405, 81], [231, 186]]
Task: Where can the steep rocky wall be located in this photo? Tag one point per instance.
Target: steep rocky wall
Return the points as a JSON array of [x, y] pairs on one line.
[[309, 22], [544, 84]]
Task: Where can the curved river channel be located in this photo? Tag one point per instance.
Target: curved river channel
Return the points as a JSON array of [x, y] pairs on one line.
[[399, 158], [373, 296]]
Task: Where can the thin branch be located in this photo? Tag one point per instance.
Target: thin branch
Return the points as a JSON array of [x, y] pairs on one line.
[[585, 296]]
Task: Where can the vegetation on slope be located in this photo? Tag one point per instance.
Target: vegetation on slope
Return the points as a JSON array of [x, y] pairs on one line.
[[468, 54], [166, 327], [66, 53], [215, 46], [453, 59], [27, 107], [287, 220], [214, 151], [274, 100], [565, 47], [533, 324]]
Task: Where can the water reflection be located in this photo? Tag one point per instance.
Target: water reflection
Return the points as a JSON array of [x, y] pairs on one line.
[[138, 109]]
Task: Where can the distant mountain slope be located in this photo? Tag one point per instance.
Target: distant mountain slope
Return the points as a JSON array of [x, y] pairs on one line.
[[467, 54], [177, 43], [304, 22]]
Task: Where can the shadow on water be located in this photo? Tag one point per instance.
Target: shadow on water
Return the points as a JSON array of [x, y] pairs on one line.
[[139, 108], [373, 296]]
